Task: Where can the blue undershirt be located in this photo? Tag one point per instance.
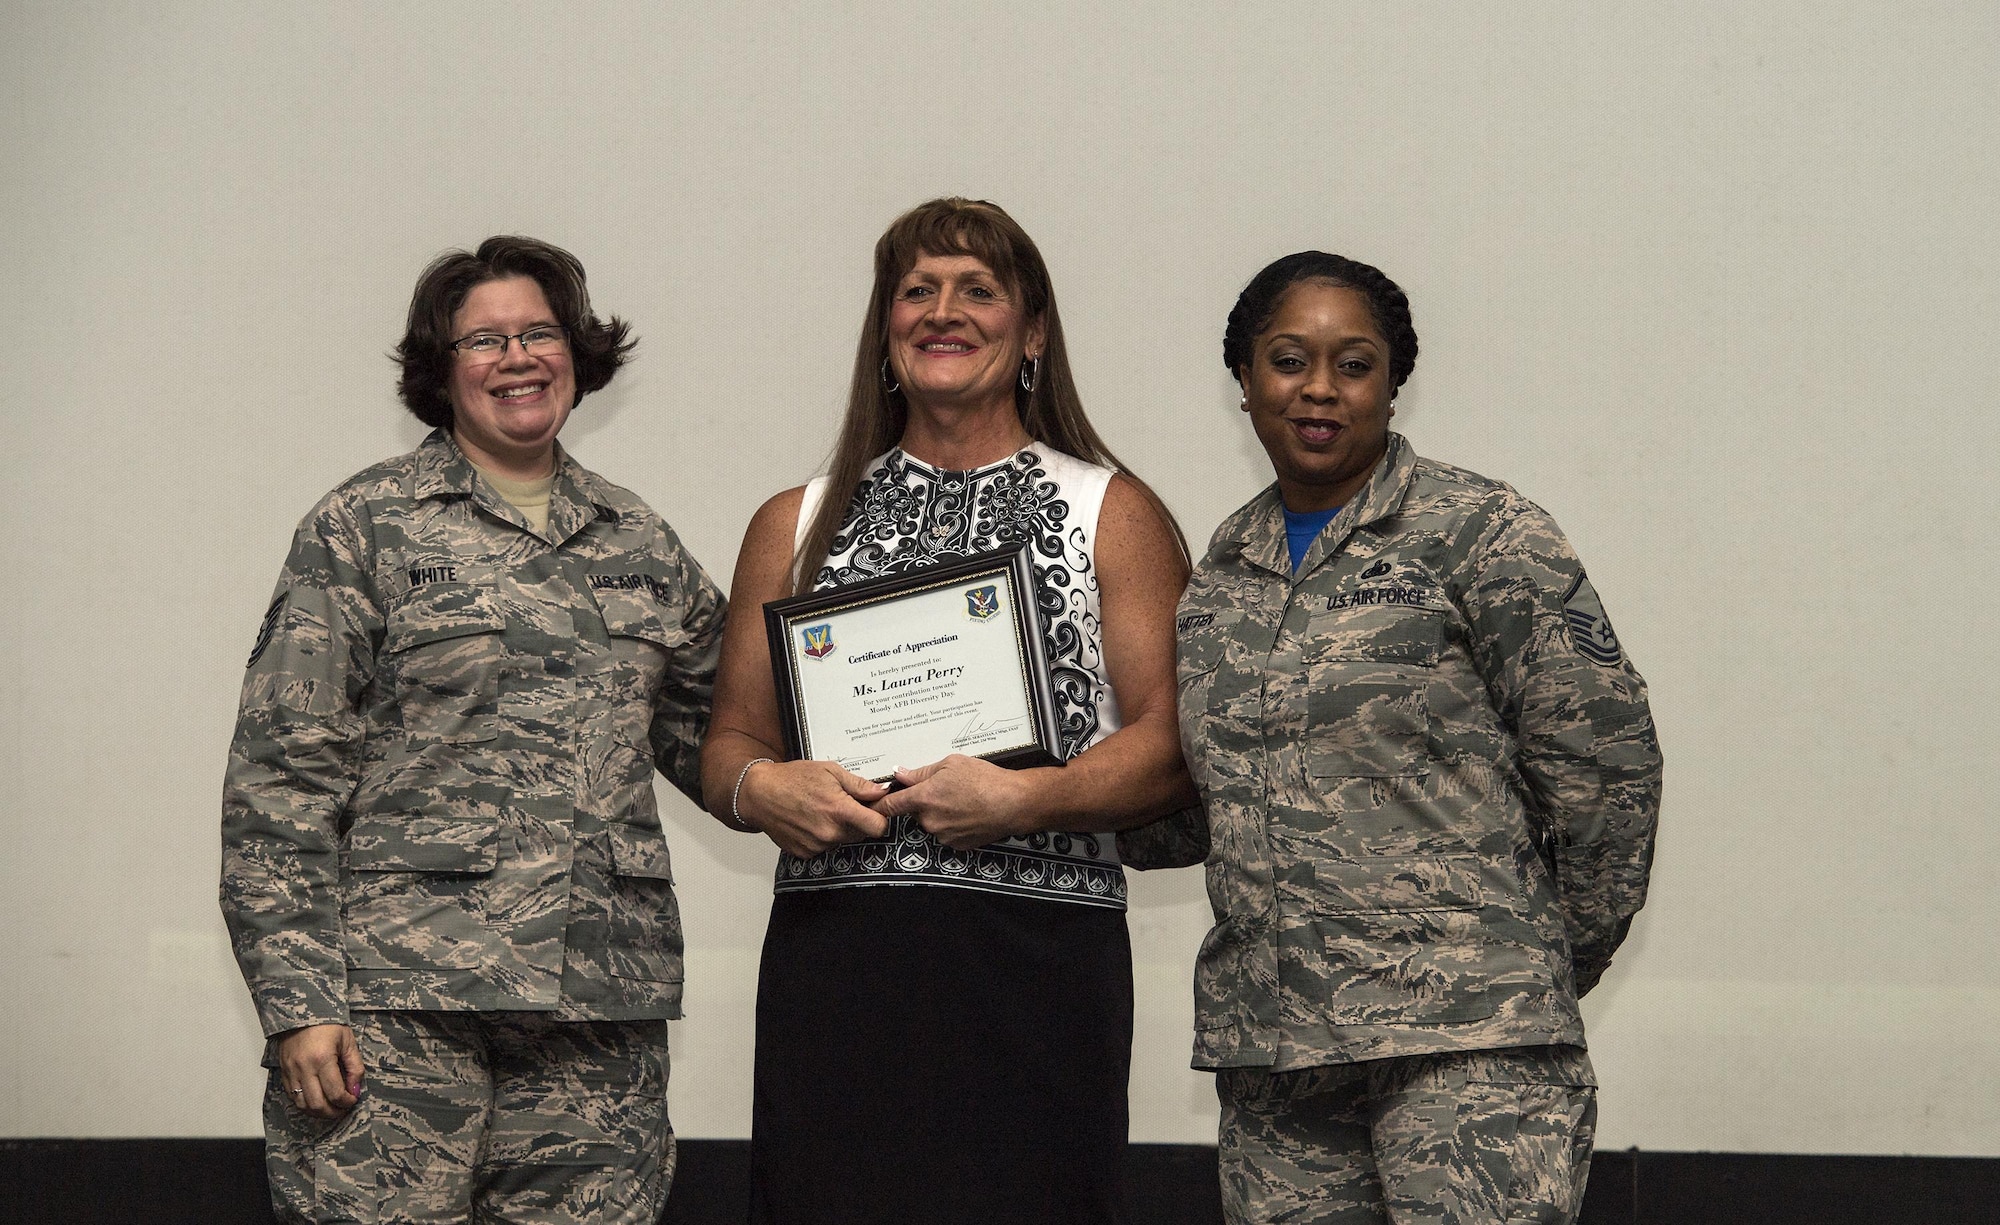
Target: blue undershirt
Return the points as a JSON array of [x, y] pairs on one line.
[[1302, 527]]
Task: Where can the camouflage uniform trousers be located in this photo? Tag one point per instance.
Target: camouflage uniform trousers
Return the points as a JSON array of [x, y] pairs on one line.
[[487, 1117], [1463, 1138]]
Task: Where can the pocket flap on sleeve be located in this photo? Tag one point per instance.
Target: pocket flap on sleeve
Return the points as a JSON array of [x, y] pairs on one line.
[[640, 852], [1397, 884], [423, 844]]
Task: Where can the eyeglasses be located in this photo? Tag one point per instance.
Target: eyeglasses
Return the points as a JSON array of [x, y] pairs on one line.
[[490, 346]]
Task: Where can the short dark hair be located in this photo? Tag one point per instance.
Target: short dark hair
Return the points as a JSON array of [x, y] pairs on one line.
[[597, 346], [1387, 306]]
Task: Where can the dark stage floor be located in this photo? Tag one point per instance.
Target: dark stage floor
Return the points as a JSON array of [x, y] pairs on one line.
[[221, 1182]]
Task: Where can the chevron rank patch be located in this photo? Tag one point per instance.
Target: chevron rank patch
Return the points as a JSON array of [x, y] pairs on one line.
[[1589, 629], [265, 630]]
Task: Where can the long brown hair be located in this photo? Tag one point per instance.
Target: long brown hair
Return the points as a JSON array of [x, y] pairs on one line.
[[876, 416]]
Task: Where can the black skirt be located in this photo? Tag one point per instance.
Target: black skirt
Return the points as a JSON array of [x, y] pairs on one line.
[[940, 1055]]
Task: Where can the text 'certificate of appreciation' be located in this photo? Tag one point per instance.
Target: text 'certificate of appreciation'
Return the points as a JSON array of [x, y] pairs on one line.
[[905, 670]]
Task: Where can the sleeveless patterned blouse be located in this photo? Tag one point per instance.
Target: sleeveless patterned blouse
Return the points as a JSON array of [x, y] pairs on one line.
[[906, 515]]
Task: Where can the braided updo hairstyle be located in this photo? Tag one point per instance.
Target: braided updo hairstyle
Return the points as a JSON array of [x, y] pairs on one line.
[[1387, 305]]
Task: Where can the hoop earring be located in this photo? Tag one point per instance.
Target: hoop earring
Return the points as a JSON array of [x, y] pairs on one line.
[[889, 384], [1031, 373]]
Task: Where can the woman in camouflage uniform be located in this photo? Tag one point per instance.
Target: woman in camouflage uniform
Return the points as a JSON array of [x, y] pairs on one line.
[[443, 867], [1431, 779]]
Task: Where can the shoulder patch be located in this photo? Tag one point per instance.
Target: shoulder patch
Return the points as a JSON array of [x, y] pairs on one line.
[[268, 628], [1589, 629]]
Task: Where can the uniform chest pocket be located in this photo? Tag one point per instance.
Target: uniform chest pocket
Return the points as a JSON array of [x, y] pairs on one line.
[[443, 653], [1369, 673], [638, 619]]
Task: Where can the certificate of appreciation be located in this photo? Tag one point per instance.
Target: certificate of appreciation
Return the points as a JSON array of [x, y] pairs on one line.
[[905, 670]]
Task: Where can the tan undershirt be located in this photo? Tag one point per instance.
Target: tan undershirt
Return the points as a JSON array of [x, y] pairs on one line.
[[531, 498]]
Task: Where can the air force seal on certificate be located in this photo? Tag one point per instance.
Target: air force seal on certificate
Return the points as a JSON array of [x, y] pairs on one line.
[[818, 640], [982, 603]]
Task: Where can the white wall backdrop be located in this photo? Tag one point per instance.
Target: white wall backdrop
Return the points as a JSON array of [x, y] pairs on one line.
[[1717, 284]]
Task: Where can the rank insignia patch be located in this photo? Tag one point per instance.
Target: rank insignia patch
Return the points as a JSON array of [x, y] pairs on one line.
[[982, 602], [269, 627], [1589, 629], [818, 640]]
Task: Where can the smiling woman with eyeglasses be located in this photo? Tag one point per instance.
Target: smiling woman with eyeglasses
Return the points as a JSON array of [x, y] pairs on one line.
[[443, 867]]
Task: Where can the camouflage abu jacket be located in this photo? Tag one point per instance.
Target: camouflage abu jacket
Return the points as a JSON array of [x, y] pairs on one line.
[[1431, 776], [440, 791]]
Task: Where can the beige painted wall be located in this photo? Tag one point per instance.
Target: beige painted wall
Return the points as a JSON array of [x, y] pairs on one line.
[[1715, 283]]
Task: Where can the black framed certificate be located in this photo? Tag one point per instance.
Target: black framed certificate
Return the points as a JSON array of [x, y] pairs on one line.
[[907, 669]]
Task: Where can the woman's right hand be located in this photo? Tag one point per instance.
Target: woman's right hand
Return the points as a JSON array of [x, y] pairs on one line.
[[808, 807], [320, 1067]]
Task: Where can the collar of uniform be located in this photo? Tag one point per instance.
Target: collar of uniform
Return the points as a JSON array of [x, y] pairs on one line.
[[442, 471], [579, 486], [1260, 534], [1383, 495]]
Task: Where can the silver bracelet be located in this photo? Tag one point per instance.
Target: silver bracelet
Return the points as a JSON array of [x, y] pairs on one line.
[[736, 820]]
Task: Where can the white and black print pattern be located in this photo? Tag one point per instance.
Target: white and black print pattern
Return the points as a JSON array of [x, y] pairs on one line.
[[906, 515]]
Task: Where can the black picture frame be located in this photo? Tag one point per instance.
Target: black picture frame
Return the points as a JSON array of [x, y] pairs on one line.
[[1011, 565]]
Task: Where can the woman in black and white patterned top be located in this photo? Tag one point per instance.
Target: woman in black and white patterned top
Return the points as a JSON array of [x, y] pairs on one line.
[[945, 1003]]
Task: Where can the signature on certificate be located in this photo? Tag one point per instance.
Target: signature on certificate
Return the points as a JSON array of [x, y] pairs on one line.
[[976, 730]]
